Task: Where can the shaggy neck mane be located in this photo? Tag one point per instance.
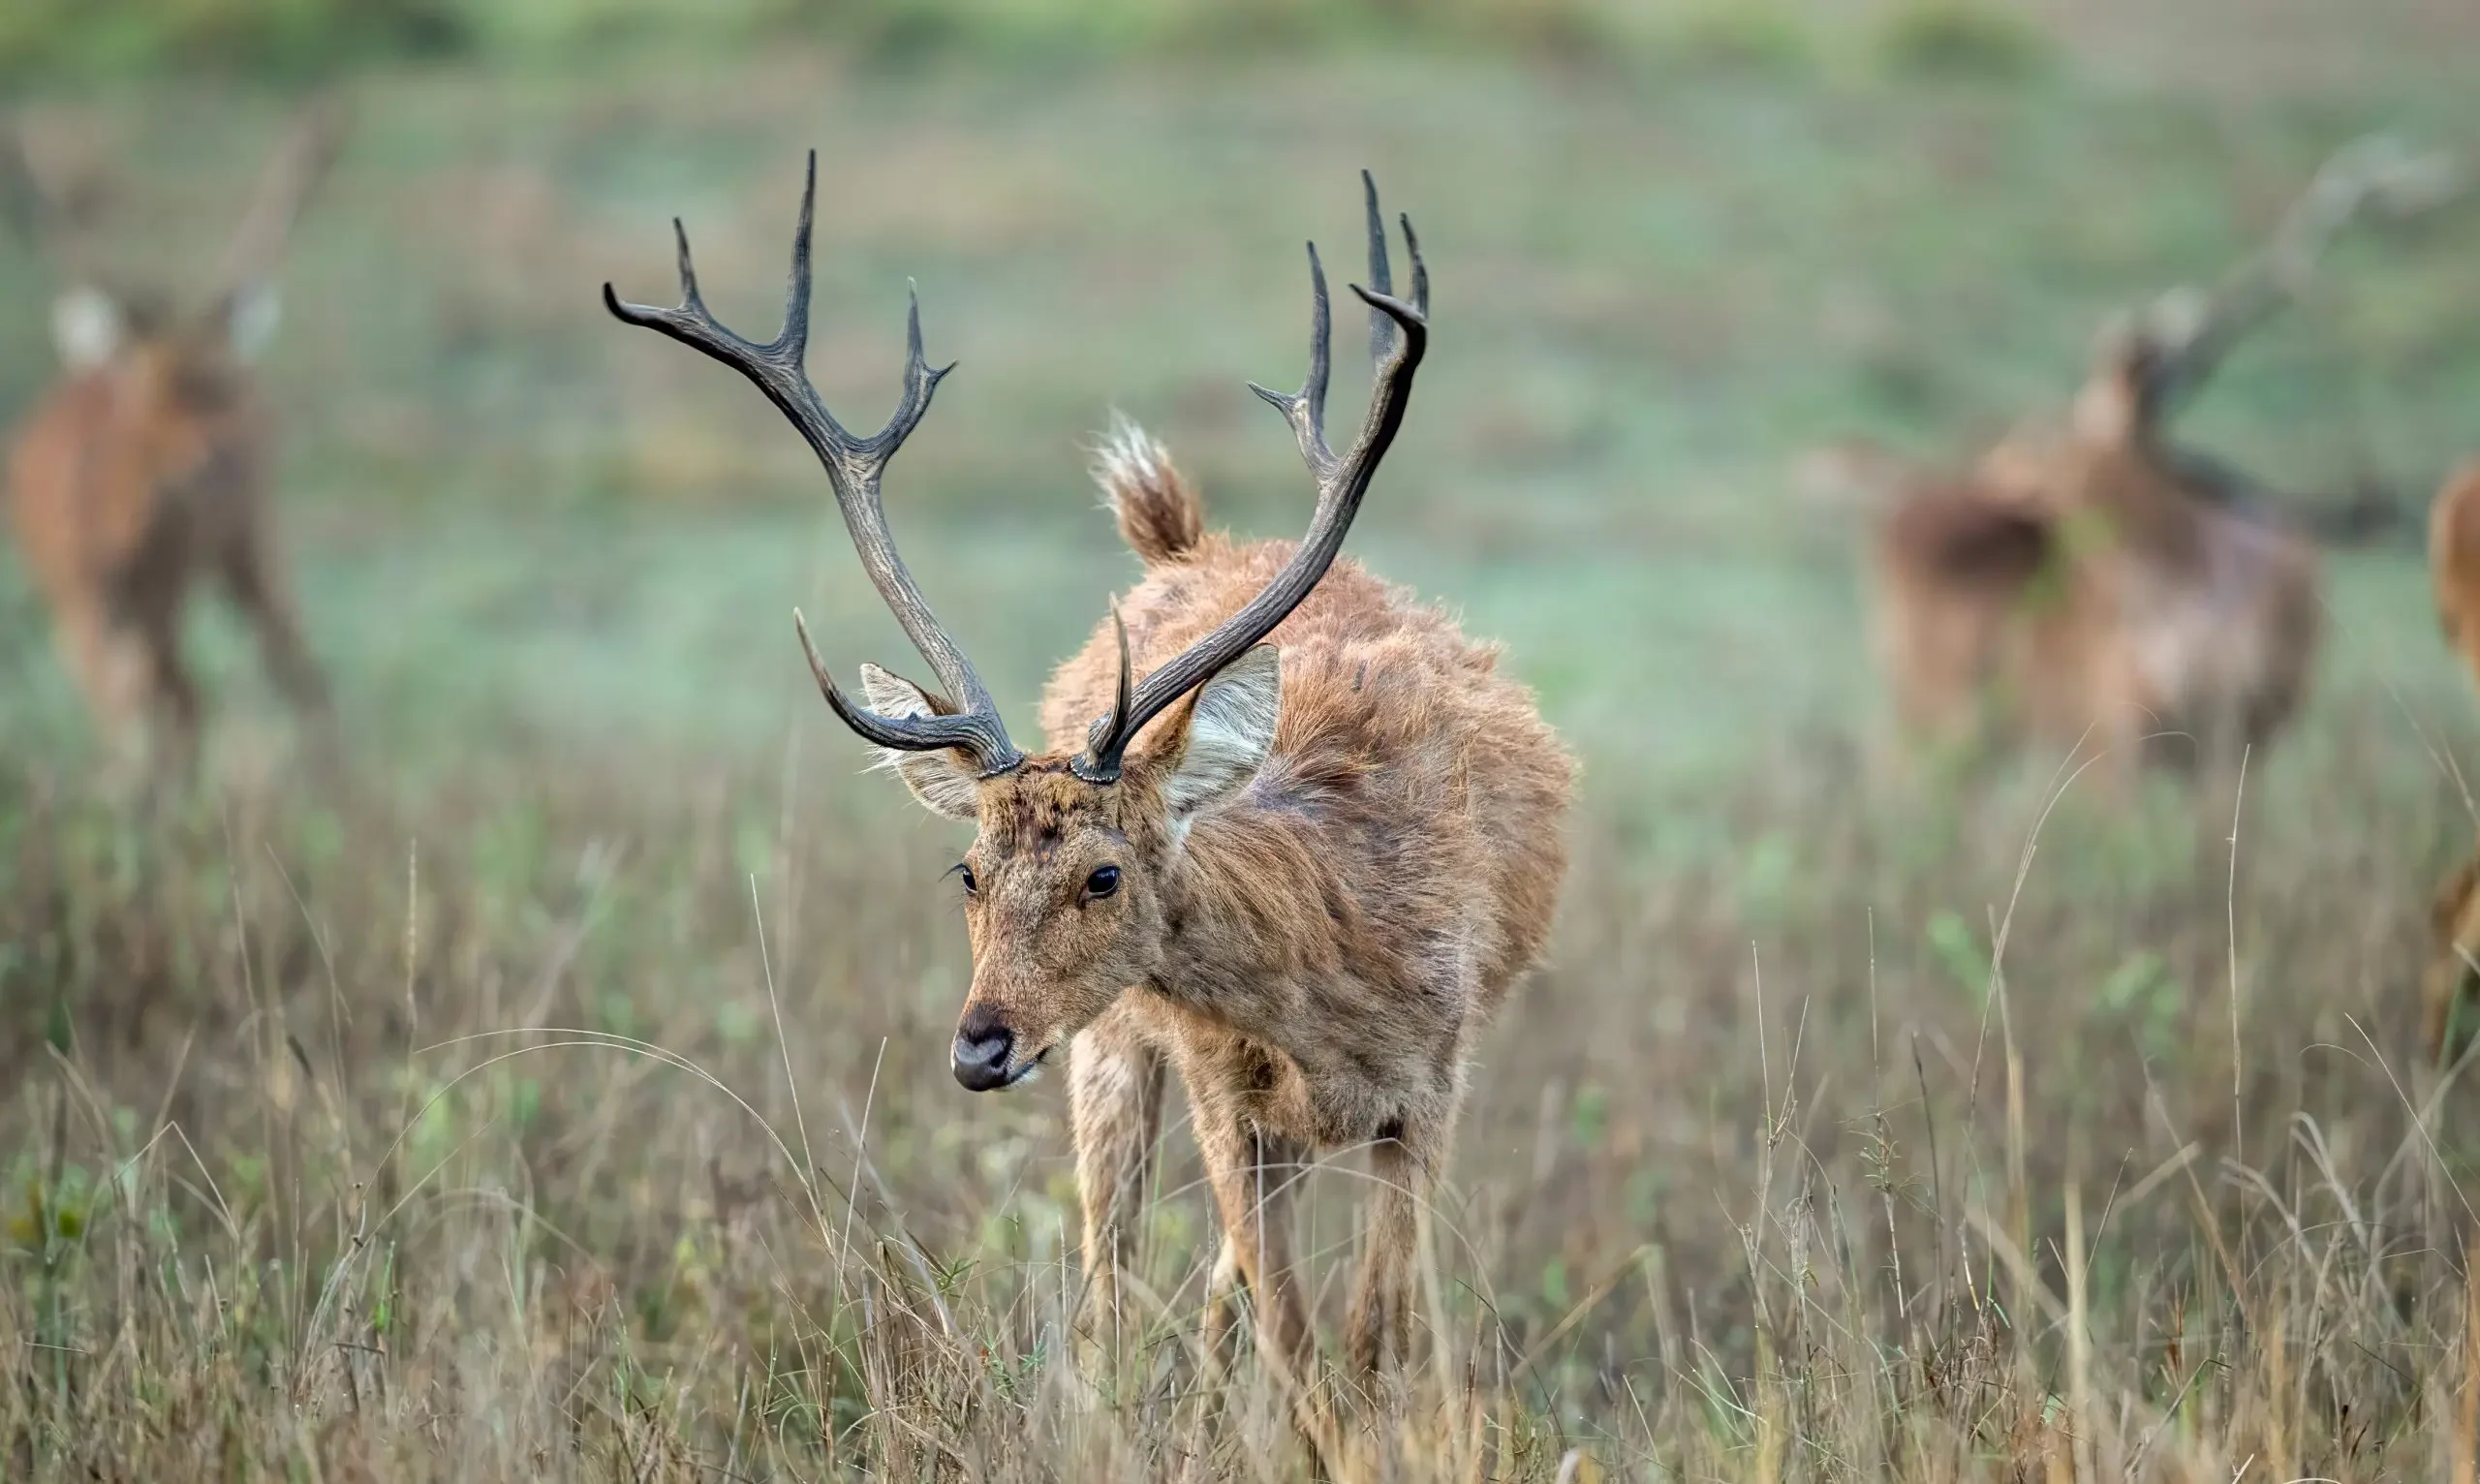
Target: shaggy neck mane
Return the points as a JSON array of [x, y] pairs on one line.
[[1252, 891]]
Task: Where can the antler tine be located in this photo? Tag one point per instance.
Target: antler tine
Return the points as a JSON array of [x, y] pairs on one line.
[[1123, 700], [294, 169], [2375, 173], [24, 202], [2191, 332], [854, 467], [53, 223], [1381, 276], [1420, 269], [1306, 409], [971, 732], [1341, 485]]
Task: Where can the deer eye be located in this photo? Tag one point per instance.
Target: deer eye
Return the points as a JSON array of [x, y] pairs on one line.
[[1104, 881], [965, 873]]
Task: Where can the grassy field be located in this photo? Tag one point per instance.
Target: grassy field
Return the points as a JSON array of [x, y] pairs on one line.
[[563, 1093]]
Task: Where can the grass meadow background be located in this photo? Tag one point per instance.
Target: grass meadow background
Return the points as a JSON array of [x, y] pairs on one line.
[[563, 1093]]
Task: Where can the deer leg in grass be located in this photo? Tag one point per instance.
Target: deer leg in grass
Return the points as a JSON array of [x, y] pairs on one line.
[[144, 702], [1254, 1177], [2118, 736], [173, 699], [2455, 919], [2442, 992], [1222, 1309], [1115, 1107], [108, 660], [1378, 1329], [260, 592]]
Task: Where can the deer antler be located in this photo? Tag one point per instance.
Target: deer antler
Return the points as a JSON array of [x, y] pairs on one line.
[[51, 218], [854, 469], [292, 173], [1342, 481], [2188, 334]]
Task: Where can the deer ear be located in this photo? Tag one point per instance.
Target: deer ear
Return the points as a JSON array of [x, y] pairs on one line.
[[251, 314], [943, 781], [1230, 730], [87, 328]]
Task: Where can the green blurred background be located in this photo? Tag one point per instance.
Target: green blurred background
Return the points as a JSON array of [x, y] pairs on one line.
[[1675, 244], [550, 562]]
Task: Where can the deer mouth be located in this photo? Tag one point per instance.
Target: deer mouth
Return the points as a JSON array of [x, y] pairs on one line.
[[996, 1072], [1027, 1070]]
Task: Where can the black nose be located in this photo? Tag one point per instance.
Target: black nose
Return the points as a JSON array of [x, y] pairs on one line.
[[983, 1045]]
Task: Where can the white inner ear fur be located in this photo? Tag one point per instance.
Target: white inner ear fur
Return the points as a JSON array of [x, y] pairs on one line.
[[943, 781], [251, 320], [1231, 731], [86, 327]]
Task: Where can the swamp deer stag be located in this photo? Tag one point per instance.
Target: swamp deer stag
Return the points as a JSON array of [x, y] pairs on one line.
[[1294, 834], [150, 462], [2097, 582], [2454, 575]]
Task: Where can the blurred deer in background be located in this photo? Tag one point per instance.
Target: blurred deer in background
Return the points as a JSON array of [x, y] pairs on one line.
[[2454, 576], [2454, 562], [2094, 581], [1293, 835], [149, 463]]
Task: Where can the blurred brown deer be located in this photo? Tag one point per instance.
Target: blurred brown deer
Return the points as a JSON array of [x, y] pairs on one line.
[[1293, 835], [2454, 576], [149, 463], [2092, 581]]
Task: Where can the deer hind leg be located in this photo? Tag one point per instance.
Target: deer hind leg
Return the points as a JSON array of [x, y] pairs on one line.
[[1223, 1294], [1378, 1329], [1115, 1105], [121, 675], [109, 663], [1405, 1161], [2441, 994], [2444, 987], [258, 588], [172, 696], [1254, 1178]]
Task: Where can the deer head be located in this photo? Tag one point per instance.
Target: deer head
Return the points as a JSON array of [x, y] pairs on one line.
[[1066, 882], [194, 356]]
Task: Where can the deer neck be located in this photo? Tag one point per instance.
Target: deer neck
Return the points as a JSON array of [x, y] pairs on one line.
[[1246, 921]]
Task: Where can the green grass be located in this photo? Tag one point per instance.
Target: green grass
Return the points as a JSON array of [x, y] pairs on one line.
[[1746, 1175]]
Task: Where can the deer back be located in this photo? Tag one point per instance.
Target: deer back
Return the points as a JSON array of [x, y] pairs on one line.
[[1403, 761]]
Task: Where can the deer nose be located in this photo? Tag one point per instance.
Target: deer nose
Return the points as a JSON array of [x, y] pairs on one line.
[[983, 1045]]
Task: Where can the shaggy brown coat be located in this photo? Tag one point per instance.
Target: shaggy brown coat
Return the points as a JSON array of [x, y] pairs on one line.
[[2082, 586], [149, 464], [1331, 869], [131, 480]]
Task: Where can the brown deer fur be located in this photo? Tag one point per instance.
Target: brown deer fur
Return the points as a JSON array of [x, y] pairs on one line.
[[2454, 574], [148, 466], [1313, 946], [2076, 586], [2454, 561], [2099, 582], [128, 480]]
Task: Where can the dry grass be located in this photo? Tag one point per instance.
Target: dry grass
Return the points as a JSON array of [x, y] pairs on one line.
[[572, 1130], [574, 1104]]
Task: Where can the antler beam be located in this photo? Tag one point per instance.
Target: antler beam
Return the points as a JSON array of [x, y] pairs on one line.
[[1342, 481], [2190, 332], [968, 719]]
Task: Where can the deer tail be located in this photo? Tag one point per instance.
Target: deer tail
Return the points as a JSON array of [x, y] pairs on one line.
[[1161, 516]]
